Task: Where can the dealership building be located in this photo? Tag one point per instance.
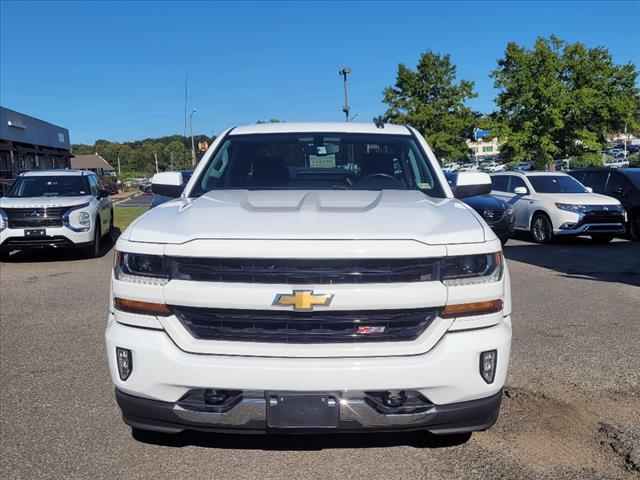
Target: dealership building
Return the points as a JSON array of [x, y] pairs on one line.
[[28, 143]]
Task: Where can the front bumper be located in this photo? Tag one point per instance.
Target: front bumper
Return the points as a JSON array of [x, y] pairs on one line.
[[56, 237], [249, 416]]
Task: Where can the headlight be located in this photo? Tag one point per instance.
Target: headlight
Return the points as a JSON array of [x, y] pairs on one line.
[[570, 207], [84, 219], [140, 268], [473, 269], [4, 220], [77, 221]]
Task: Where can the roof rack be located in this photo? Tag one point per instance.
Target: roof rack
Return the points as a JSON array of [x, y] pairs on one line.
[[379, 122]]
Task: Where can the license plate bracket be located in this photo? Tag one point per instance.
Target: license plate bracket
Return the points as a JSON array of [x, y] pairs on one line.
[[302, 410], [35, 232]]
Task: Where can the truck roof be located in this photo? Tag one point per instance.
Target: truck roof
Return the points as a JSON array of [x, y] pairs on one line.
[[313, 127]]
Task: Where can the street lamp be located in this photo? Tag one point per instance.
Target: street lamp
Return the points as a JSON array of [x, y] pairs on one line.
[[344, 72], [193, 145]]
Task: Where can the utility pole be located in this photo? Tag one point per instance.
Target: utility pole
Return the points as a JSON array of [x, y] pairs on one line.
[[344, 72], [171, 164], [625, 141], [156, 155], [193, 145], [118, 166]]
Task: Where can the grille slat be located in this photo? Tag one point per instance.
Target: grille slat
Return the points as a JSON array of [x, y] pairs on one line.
[[302, 271], [333, 326], [35, 217]]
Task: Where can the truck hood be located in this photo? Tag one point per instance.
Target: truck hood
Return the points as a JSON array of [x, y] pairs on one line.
[[319, 215], [40, 202]]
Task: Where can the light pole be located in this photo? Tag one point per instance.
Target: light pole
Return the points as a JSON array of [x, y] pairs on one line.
[[193, 146], [344, 72]]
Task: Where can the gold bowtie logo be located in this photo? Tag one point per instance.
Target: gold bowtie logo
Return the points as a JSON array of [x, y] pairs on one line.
[[302, 300]]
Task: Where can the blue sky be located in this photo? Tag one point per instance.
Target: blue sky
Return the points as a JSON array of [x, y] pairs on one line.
[[116, 70]]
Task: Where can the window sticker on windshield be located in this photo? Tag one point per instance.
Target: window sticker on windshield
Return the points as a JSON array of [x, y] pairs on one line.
[[324, 161], [424, 186]]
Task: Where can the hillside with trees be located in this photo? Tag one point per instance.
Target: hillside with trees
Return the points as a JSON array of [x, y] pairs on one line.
[[139, 157]]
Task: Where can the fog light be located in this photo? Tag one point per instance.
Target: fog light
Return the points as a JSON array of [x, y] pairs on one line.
[[488, 361], [394, 399], [567, 225], [213, 397], [125, 362]]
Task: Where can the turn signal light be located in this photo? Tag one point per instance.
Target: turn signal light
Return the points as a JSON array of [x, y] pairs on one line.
[[145, 308], [474, 308]]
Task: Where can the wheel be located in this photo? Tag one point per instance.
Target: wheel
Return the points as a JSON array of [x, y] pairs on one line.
[[541, 229], [93, 250], [602, 238], [634, 226], [503, 240], [4, 256]]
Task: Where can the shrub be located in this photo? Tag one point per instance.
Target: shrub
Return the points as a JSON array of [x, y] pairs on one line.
[[589, 159]]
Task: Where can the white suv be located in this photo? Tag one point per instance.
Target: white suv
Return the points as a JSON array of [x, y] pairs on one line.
[[54, 209], [549, 204], [311, 277]]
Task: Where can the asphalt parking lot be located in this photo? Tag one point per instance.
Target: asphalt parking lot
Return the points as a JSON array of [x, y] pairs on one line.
[[570, 409]]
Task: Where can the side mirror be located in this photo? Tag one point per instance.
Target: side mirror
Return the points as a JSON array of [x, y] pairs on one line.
[[102, 193], [470, 184], [590, 190], [520, 190], [169, 184]]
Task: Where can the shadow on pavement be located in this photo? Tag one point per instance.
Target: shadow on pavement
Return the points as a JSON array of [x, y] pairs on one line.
[[42, 255], [300, 442], [618, 261]]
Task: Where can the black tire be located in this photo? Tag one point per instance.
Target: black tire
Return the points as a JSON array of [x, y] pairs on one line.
[[602, 237], [503, 240], [4, 256], [93, 250], [111, 234], [541, 228], [634, 226]]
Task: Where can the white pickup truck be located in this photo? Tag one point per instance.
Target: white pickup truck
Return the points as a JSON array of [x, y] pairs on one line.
[[311, 277]]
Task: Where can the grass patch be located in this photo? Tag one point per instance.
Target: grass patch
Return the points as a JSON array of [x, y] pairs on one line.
[[123, 216]]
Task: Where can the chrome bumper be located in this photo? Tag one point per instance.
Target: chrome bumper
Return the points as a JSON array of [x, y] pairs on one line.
[[248, 415]]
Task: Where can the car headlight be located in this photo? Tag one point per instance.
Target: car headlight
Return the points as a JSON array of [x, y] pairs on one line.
[[76, 220], [570, 207], [4, 220], [140, 268], [473, 269]]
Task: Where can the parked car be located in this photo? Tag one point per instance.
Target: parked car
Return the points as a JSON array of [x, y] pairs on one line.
[[497, 213], [616, 152], [145, 186], [468, 167], [450, 167], [54, 209], [616, 162], [523, 166], [550, 204], [160, 199], [561, 164], [623, 185], [312, 277], [491, 167]]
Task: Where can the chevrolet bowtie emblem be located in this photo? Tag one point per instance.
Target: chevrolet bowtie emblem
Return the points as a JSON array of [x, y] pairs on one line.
[[302, 300]]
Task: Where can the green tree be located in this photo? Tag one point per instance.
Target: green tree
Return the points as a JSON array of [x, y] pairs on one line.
[[430, 100], [561, 99]]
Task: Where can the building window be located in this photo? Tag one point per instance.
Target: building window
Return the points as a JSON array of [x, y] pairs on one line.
[[5, 165], [488, 149]]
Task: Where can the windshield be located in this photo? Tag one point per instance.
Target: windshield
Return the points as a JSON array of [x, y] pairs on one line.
[[556, 184], [319, 161], [49, 186]]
